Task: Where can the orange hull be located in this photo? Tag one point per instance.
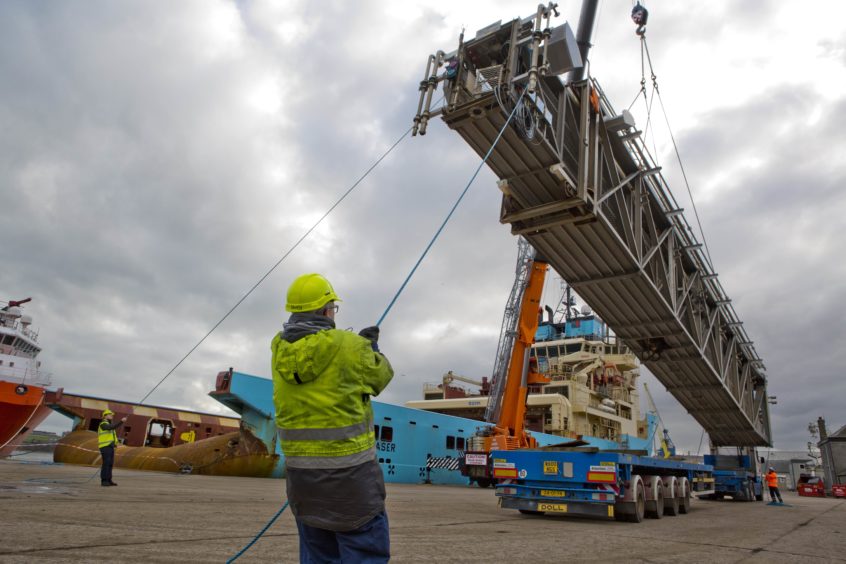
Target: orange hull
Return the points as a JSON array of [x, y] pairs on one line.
[[22, 409]]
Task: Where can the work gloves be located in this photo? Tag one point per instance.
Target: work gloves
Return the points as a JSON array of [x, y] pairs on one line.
[[372, 334]]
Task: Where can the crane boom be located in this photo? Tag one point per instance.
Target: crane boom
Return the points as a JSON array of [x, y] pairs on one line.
[[515, 372], [508, 331], [521, 374]]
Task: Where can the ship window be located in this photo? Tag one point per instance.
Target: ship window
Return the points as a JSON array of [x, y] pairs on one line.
[[381, 461], [387, 434], [159, 433], [11, 364], [376, 431], [412, 422], [434, 427], [7, 340], [450, 442], [459, 443]]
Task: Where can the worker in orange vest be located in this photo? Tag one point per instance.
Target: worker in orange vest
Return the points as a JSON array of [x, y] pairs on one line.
[[772, 482]]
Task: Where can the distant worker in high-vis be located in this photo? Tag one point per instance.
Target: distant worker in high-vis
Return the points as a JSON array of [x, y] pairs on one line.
[[772, 483], [323, 379], [107, 441]]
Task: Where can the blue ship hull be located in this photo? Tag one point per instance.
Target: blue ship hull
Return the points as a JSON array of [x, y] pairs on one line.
[[413, 446]]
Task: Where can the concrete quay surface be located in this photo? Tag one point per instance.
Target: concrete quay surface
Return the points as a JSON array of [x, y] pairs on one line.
[[50, 513]]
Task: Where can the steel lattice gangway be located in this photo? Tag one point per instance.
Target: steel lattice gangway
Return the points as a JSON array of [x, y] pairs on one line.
[[579, 184]]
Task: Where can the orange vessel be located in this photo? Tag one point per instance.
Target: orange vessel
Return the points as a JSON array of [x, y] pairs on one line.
[[22, 383]]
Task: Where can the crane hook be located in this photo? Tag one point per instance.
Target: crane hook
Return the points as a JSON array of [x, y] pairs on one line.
[[639, 16]]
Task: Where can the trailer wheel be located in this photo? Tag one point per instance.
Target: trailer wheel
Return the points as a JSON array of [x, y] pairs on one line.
[[684, 500], [639, 506], [659, 504], [484, 482], [671, 496]]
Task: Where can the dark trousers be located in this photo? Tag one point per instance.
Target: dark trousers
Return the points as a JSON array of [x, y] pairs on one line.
[[369, 544], [108, 455], [774, 493]]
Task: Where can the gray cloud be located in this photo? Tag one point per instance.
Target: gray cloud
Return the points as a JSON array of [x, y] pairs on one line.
[[157, 160]]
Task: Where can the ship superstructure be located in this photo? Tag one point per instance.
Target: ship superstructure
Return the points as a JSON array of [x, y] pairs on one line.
[[19, 347], [22, 382], [592, 394]]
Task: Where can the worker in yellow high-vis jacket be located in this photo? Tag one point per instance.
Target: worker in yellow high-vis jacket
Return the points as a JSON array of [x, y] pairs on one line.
[[323, 379], [107, 440]]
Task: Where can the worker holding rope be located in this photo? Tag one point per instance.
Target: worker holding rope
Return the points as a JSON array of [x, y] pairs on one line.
[[323, 379], [107, 440]]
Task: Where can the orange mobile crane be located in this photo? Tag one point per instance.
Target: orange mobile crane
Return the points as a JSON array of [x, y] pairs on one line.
[[514, 372]]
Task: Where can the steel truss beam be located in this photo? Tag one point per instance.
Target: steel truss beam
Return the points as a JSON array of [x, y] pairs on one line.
[[591, 200]]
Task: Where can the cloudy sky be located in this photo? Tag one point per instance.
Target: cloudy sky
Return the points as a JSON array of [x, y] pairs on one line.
[[156, 158]]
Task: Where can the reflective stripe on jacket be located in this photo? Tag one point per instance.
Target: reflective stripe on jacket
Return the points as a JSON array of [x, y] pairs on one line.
[[322, 385], [106, 437], [772, 480]]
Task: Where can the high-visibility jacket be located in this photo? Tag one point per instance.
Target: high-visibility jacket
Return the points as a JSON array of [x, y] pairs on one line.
[[322, 385], [772, 480], [106, 437]]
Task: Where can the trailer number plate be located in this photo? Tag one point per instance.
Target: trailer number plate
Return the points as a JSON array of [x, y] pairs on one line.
[[550, 467], [553, 507], [553, 493]]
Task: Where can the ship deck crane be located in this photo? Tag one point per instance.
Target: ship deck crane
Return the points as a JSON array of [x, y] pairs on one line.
[[578, 182], [450, 377], [668, 448]]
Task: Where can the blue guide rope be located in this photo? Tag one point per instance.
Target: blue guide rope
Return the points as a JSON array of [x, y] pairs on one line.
[[405, 282]]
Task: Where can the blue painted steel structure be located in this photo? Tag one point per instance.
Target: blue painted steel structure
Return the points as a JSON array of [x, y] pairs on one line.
[[581, 482], [736, 476], [414, 446], [588, 327]]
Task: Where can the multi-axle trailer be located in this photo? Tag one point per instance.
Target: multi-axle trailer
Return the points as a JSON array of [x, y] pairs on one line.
[[587, 481]]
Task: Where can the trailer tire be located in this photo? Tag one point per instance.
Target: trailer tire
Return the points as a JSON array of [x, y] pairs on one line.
[[659, 505], [684, 499], [671, 496], [654, 491], [632, 505], [639, 505], [484, 482]]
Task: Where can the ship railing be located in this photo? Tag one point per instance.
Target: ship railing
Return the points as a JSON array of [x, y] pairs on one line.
[[25, 375], [603, 391], [24, 329]]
